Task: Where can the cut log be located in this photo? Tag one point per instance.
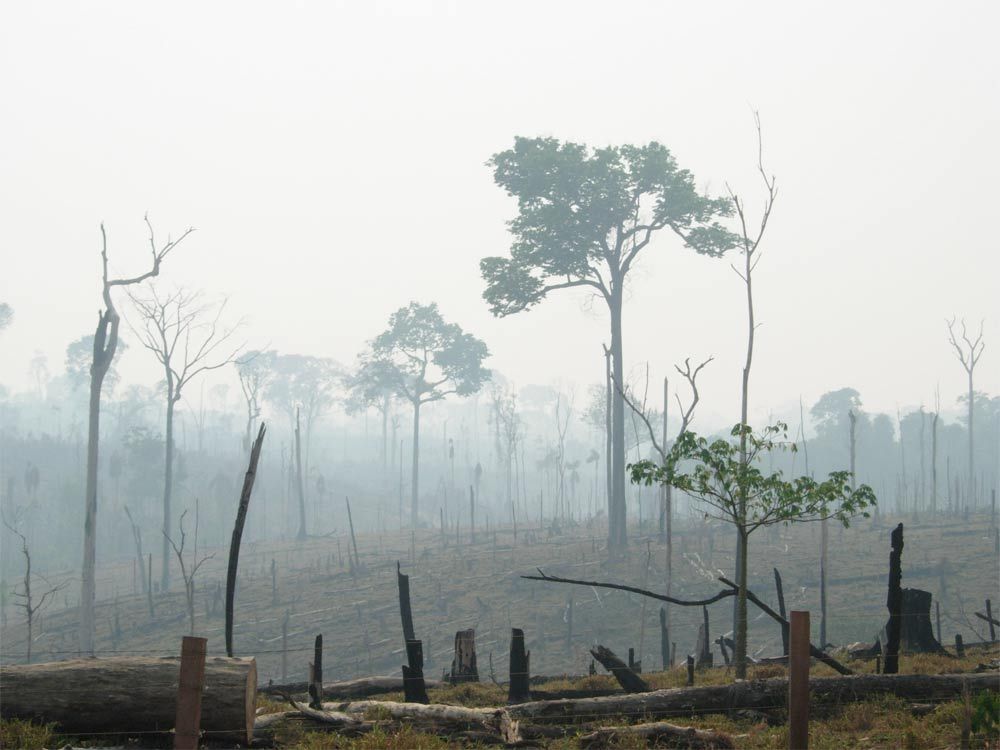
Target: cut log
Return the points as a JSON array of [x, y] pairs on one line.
[[657, 734], [756, 695], [129, 694], [628, 679]]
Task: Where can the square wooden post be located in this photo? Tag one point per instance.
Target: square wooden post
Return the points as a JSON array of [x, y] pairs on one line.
[[798, 681], [187, 724]]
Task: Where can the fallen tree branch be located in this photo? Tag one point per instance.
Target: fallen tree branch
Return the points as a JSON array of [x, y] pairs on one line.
[[542, 576], [981, 616]]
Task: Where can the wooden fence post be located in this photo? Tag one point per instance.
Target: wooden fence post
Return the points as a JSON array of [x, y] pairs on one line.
[[187, 725], [798, 681]]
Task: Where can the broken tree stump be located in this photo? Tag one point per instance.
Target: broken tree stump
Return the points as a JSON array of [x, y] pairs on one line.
[[316, 675], [690, 668], [520, 661], [629, 680], [664, 640], [704, 649], [463, 665], [916, 631], [414, 686]]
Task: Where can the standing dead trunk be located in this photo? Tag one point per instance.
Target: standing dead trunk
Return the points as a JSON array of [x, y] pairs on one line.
[[894, 602], [618, 522], [105, 346], [234, 545]]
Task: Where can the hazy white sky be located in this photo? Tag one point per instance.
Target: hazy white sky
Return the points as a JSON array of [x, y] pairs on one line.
[[331, 157]]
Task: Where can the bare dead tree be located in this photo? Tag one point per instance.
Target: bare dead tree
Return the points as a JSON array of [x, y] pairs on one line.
[[26, 595], [187, 575], [749, 240], [105, 346], [184, 333], [968, 352]]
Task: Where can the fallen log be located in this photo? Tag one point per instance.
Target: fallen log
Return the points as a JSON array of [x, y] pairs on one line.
[[757, 695], [348, 689], [657, 734], [129, 694], [455, 718]]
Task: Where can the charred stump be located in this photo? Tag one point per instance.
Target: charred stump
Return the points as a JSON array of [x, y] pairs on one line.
[[520, 676], [894, 602], [463, 666], [629, 680]]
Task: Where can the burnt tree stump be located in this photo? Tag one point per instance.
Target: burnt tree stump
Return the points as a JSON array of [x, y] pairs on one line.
[[414, 686], [894, 602], [519, 690], [463, 666], [629, 680], [664, 639]]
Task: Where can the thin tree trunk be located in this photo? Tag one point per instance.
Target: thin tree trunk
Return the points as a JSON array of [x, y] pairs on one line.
[[741, 607], [298, 479], [607, 445], [619, 534], [415, 475], [168, 483], [88, 584]]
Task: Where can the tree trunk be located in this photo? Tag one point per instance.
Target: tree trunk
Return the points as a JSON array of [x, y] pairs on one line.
[[607, 445], [971, 494], [740, 656], [618, 532], [298, 476], [415, 474], [129, 694], [168, 486], [88, 588]]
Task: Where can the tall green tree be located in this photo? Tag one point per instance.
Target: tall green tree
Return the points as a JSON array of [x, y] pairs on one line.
[[422, 359], [584, 215]]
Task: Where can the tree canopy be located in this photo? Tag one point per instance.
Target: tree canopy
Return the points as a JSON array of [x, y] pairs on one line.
[[584, 215], [422, 358]]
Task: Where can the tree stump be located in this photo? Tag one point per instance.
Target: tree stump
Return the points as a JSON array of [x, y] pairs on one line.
[[520, 660], [463, 666], [628, 679]]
